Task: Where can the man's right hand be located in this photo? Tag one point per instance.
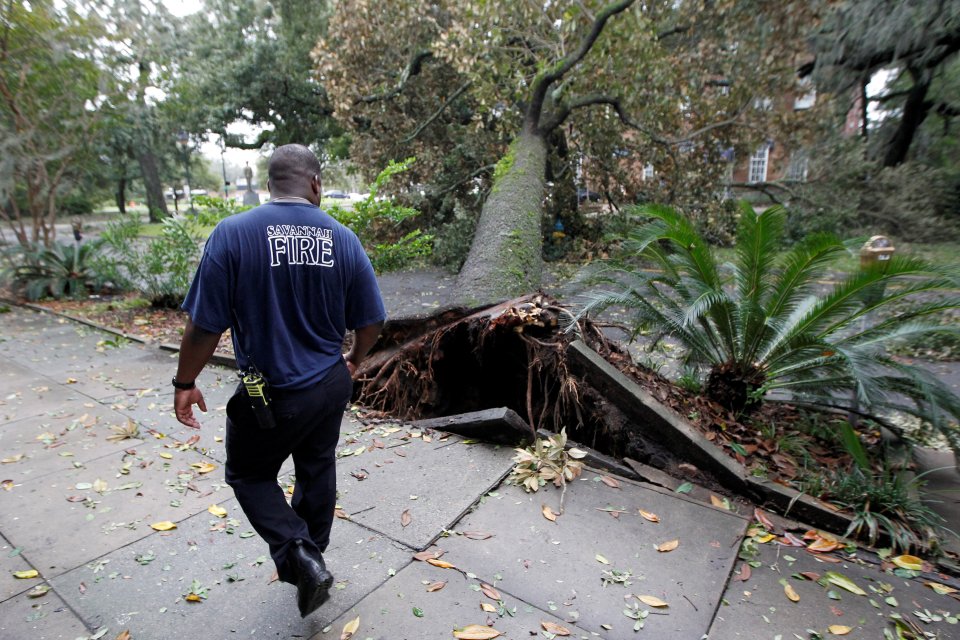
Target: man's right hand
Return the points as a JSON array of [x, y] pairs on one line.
[[183, 401]]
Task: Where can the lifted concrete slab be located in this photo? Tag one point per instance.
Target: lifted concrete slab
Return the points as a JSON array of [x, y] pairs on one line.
[[61, 521], [433, 482], [562, 564], [759, 607], [126, 589], [391, 612]]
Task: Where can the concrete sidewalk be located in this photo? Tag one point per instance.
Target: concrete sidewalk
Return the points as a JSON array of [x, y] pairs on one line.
[[77, 504]]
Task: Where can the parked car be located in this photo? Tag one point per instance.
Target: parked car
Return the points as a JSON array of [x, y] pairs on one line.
[[335, 193], [584, 195]]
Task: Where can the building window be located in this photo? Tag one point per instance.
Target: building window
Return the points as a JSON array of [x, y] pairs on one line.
[[648, 171], [797, 171], [806, 95], [758, 165]]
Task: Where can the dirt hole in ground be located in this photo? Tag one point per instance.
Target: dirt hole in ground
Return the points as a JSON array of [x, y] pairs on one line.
[[510, 355]]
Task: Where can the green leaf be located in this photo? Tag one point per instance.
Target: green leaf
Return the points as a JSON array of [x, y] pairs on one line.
[[686, 487]]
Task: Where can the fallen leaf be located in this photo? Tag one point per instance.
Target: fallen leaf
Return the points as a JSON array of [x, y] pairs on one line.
[[745, 572], [610, 482], [652, 517], [668, 546], [822, 545], [12, 459], [810, 575], [218, 511], [554, 628], [443, 564], [166, 525], [26, 574], [203, 467], [340, 513], [599, 558], [762, 518], [792, 595], [423, 556], [99, 485], [490, 592], [476, 632], [123, 635], [38, 591], [721, 503], [477, 535], [436, 586], [166, 455], [192, 597], [405, 518], [576, 454], [839, 629], [350, 628], [652, 601], [765, 538], [912, 563], [941, 589], [486, 607], [548, 513], [843, 582]]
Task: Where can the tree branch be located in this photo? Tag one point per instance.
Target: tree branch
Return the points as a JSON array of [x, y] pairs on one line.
[[413, 68], [436, 114], [543, 80], [457, 183]]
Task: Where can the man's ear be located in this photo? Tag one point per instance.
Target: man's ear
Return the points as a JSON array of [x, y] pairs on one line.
[[319, 184]]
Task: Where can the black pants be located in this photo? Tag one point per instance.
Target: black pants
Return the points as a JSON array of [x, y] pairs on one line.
[[308, 428]]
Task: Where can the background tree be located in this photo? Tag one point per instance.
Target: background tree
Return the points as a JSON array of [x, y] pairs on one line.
[[49, 91], [647, 76], [918, 40], [248, 62]]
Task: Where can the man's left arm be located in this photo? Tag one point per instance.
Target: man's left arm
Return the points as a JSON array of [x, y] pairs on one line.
[[196, 347]]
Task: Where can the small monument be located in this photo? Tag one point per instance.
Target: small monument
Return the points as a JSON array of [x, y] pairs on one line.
[[250, 197]]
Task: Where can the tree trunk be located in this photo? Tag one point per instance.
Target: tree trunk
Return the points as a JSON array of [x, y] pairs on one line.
[[915, 111], [505, 256], [156, 204], [121, 195]]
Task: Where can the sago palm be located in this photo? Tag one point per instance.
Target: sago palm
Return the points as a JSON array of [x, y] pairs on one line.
[[767, 322]]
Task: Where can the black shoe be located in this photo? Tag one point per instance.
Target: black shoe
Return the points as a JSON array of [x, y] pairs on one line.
[[313, 579]]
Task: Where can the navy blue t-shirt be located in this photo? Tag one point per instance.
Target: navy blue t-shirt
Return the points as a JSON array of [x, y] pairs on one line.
[[290, 281]]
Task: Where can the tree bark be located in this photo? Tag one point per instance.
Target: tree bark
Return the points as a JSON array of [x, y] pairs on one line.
[[505, 255], [121, 195], [915, 111], [156, 203]]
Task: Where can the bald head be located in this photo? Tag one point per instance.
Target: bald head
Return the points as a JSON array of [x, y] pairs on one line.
[[292, 171]]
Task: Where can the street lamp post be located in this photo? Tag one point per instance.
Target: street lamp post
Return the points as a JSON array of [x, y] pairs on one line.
[[223, 168], [183, 141]]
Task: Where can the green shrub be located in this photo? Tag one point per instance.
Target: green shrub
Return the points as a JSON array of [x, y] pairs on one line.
[[769, 324], [58, 271], [75, 204], [161, 268], [211, 209], [378, 222]]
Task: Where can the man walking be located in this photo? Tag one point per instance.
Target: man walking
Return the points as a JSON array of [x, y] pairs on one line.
[[289, 281]]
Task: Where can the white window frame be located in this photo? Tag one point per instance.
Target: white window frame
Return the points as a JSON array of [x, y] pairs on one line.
[[759, 163], [798, 168], [648, 172]]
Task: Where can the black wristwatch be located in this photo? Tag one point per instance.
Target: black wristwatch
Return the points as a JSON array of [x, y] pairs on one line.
[[183, 386]]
